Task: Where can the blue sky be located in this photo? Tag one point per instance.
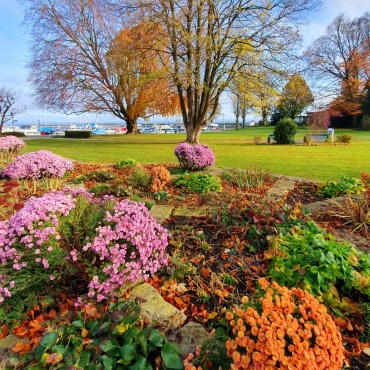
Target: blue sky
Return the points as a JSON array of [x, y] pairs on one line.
[[14, 51]]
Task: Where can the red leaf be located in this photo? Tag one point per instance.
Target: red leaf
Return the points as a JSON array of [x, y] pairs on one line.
[[4, 331], [206, 272]]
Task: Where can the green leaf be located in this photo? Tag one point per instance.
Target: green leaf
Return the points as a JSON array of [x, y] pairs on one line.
[[128, 353], [156, 338], [78, 324], [49, 339], [107, 362], [84, 360], [144, 344], [141, 364], [314, 269], [171, 358], [107, 346]]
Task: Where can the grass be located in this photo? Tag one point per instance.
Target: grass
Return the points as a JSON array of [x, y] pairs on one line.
[[233, 148]]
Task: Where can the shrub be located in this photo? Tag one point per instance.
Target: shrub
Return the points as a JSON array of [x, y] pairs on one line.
[[283, 329], [126, 163], [140, 178], [13, 133], [365, 122], [310, 258], [341, 186], [78, 134], [120, 342], [285, 131], [63, 234], [198, 183], [344, 138], [257, 140], [10, 146], [160, 177], [38, 165], [194, 157]]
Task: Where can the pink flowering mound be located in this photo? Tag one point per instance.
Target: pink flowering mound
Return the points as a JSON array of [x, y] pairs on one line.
[[64, 235], [11, 143], [10, 146], [38, 165], [194, 157]]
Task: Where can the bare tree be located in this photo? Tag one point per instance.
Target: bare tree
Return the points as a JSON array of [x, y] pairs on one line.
[[209, 39], [8, 105], [340, 59], [85, 60]]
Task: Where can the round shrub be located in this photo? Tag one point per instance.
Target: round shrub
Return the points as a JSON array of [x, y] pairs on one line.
[[10, 146], [160, 177], [199, 183], [126, 163], [285, 131], [283, 329], [38, 165], [194, 157], [103, 242]]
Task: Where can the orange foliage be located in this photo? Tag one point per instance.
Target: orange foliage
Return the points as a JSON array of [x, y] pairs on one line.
[[291, 330], [160, 177], [138, 59]]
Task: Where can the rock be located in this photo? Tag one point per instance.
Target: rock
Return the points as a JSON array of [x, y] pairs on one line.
[[191, 211], [161, 212], [6, 345], [279, 190], [155, 309], [189, 337]]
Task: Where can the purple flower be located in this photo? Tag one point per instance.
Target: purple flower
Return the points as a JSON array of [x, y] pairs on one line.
[[38, 165], [194, 157], [11, 144]]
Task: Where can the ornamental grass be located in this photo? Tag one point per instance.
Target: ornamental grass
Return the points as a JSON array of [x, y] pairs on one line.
[[283, 329], [10, 146], [194, 157]]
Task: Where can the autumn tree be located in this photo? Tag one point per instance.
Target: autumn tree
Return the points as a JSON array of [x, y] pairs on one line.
[[9, 108], [340, 60], [209, 39], [83, 60], [295, 97]]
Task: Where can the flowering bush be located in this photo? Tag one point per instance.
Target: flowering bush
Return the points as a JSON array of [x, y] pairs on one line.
[[194, 157], [10, 146], [160, 177], [70, 233], [283, 329], [38, 165]]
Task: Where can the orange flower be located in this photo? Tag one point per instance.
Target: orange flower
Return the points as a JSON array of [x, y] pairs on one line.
[[245, 299], [229, 315], [256, 357]]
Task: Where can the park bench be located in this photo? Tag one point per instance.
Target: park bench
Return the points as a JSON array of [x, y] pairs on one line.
[[270, 138], [315, 137]]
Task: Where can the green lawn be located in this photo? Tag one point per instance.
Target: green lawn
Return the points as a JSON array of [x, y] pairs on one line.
[[233, 148]]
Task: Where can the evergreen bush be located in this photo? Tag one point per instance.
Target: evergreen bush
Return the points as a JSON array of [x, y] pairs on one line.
[[285, 131]]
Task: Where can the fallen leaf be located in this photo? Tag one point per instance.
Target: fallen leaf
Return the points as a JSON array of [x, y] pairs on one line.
[[4, 331], [206, 272]]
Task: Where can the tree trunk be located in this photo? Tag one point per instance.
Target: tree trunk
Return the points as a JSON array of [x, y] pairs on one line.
[[193, 133], [131, 125]]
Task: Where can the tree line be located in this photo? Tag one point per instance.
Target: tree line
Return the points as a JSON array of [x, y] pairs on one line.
[[139, 58]]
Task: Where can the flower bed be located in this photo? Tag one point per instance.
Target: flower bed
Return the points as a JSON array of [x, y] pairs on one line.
[[10, 146], [107, 241], [38, 165], [194, 157]]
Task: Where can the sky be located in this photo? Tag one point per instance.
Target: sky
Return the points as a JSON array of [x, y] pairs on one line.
[[14, 54]]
